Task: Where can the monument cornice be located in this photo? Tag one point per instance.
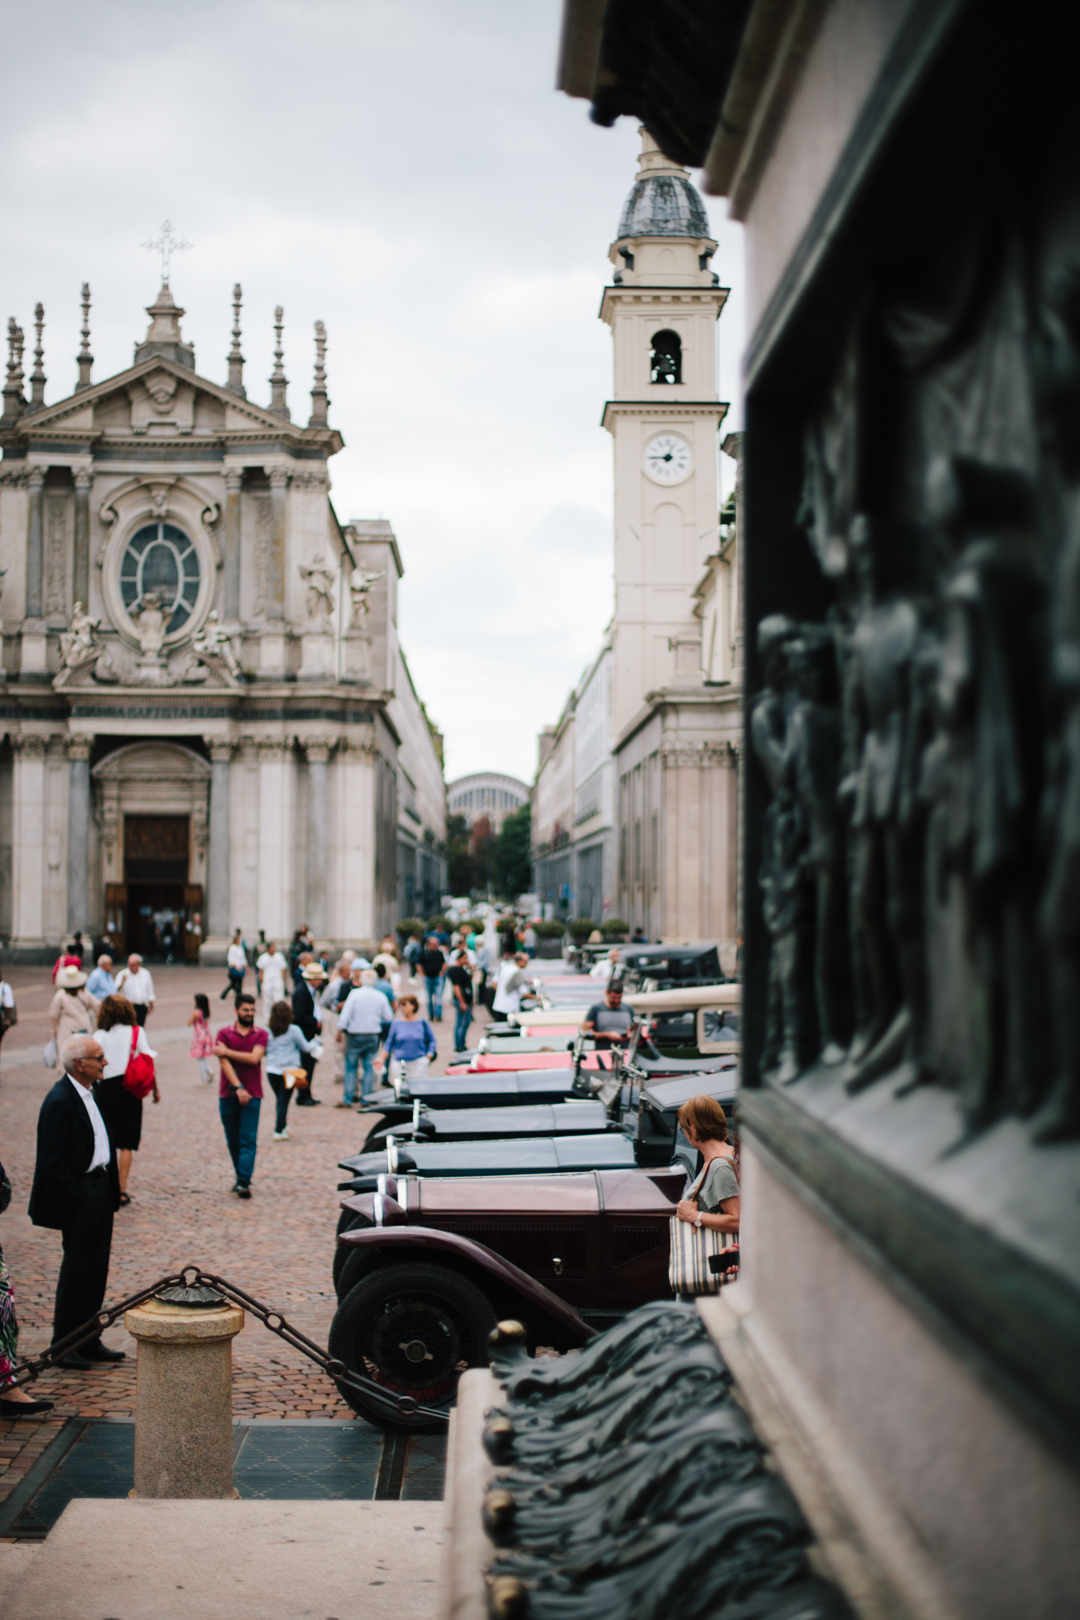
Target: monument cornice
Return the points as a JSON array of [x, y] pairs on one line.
[[666, 410], [660, 294]]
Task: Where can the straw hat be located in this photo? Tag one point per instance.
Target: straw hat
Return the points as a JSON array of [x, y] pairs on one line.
[[314, 970], [69, 978]]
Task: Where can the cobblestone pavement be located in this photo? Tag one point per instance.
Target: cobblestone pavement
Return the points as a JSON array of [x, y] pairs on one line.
[[278, 1246]]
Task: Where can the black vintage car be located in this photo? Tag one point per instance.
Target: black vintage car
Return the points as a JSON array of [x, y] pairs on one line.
[[641, 1129]]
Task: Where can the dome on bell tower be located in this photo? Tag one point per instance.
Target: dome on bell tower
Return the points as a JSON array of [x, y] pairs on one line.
[[663, 202]]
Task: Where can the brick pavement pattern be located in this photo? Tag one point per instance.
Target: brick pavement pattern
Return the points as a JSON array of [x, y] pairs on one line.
[[278, 1246]]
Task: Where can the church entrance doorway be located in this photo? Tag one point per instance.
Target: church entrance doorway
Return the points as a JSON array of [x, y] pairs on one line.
[[162, 910]]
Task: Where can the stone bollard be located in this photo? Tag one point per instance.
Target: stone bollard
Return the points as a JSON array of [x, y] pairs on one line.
[[183, 1401]]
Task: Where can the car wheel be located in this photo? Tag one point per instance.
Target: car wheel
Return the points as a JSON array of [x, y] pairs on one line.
[[414, 1329], [350, 1266], [346, 1221]]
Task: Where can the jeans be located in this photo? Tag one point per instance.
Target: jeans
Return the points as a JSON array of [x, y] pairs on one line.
[[434, 996], [462, 1020], [241, 1122], [357, 1047], [284, 1098]]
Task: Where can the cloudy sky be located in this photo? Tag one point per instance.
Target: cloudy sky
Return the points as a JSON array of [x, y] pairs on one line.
[[404, 171]]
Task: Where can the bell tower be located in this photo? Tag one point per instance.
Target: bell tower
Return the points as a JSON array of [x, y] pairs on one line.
[[662, 307]]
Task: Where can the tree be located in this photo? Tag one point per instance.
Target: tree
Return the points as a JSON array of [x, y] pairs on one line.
[[460, 866], [513, 855]]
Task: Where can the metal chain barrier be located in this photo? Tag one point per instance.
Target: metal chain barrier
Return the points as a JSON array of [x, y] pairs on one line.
[[194, 1277]]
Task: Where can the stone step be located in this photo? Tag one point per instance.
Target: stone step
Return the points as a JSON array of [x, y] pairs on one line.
[[235, 1560]]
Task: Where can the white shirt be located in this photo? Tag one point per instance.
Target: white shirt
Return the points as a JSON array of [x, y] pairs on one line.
[[137, 987], [272, 968], [507, 991], [365, 1012], [236, 957], [604, 968], [102, 1151], [7, 999], [116, 1045]]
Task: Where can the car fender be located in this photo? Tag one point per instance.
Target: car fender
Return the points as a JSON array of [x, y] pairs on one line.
[[395, 1242]]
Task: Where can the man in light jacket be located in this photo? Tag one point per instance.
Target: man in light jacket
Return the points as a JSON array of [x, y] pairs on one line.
[[360, 1025]]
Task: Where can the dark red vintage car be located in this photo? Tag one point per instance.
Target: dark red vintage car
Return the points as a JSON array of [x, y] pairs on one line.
[[426, 1267]]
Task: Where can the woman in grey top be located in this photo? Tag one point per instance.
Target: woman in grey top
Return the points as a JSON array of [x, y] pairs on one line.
[[713, 1199]]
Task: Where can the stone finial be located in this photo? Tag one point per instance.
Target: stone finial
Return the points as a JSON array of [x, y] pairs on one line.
[[278, 380], [37, 376], [14, 403], [86, 359], [319, 402], [235, 383]]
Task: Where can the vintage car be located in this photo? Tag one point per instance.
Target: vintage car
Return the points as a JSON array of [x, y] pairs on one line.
[[425, 1269], [467, 1088], [688, 1024], [643, 1131]]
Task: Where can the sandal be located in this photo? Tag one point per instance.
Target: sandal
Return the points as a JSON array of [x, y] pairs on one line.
[[125, 1198]]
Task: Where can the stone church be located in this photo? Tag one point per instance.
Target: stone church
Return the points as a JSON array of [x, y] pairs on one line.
[[207, 721]]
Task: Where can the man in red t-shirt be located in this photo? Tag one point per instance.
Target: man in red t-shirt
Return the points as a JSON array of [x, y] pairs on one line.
[[241, 1047]]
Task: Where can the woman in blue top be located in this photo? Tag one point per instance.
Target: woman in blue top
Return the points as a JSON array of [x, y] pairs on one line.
[[409, 1042], [287, 1044]]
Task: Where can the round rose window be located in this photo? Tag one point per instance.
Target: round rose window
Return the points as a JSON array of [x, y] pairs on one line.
[[160, 557]]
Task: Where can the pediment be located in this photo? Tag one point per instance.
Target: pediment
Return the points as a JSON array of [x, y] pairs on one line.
[[151, 762], [159, 389]]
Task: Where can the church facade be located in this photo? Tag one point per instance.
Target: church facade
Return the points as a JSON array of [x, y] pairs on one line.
[[207, 719]]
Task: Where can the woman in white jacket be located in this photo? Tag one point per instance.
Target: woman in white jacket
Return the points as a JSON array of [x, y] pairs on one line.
[[121, 1110]]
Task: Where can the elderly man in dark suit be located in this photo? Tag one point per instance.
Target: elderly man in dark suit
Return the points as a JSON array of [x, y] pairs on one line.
[[77, 1188]]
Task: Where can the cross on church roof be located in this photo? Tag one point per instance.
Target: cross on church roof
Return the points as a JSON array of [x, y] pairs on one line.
[[166, 244]]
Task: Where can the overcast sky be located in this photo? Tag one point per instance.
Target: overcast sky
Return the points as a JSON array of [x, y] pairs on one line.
[[405, 171]]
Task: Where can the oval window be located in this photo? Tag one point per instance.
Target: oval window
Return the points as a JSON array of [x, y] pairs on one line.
[[160, 557]]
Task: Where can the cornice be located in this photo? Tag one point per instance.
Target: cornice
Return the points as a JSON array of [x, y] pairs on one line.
[[658, 295], [666, 409], [669, 698]]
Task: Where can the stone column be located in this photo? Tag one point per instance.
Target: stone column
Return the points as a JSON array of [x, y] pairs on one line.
[[318, 854], [28, 845], [217, 865], [234, 479], [35, 545], [183, 1399], [275, 594], [84, 479], [78, 839]]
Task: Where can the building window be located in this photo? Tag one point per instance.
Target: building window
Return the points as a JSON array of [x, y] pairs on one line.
[[159, 557], [665, 361]]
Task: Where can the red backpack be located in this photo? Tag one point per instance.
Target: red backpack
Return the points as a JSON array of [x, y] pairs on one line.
[[139, 1074]]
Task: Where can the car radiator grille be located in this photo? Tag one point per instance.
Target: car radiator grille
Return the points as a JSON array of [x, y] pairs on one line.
[[631, 1242], [533, 1248]]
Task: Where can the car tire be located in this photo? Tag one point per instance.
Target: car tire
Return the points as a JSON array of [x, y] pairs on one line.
[[393, 1324], [351, 1266], [347, 1220]]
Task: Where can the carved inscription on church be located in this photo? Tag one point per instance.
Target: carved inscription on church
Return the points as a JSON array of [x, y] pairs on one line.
[[55, 559], [920, 875]]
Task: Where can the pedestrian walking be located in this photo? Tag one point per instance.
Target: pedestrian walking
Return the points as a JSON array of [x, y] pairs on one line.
[[240, 1048], [236, 965], [14, 1402], [9, 1013], [287, 1049], [134, 983], [67, 958], [382, 982], [433, 966], [120, 1108], [509, 985], [309, 984], [202, 1041], [461, 988], [413, 952], [270, 973], [410, 1046], [101, 982], [330, 1002], [483, 968], [71, 1011], [362, 1019], [76, 1187]]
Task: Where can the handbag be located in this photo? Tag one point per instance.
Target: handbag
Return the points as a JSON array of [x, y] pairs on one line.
[[692, 1247], [50, 1054], [139, 1074]]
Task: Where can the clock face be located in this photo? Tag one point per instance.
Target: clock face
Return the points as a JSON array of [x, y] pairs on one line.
[[667, 459]]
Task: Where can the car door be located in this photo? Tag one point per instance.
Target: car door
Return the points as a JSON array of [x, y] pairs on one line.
[[636, 1208]]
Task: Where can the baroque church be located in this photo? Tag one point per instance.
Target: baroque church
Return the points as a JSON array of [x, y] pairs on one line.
[[207, 721]]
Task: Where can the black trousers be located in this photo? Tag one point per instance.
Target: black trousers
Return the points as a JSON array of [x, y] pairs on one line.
[[304, 1097], [84, 1270], [140, 1012]]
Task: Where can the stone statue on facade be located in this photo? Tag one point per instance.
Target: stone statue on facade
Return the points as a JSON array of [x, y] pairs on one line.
[[150, 625], [359, 588], [320, 589], [80, 651], [214, 647]]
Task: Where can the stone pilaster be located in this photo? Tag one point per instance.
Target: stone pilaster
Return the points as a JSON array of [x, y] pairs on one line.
[[28, 942], [230, 544], [78, 837], [215, 942], [35, 544], [318, 852], [279, 482], [84, 480]]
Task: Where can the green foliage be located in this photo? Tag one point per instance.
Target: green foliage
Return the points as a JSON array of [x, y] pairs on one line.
[[615, 928], [441, 924], [410, 925], [507, 925], [549, 930], [512, 867], [460, 866], [580, 929]]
